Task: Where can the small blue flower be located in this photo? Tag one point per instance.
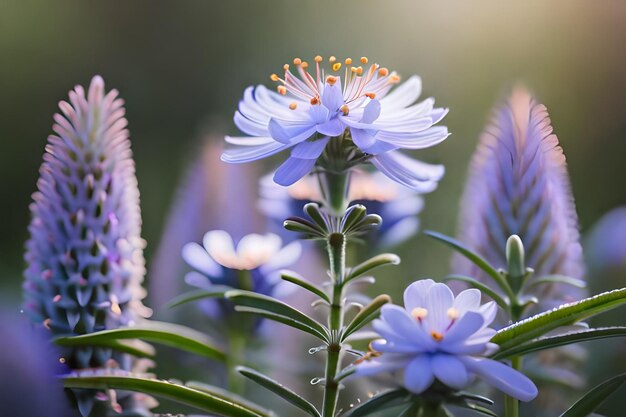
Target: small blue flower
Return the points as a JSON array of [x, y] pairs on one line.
[[439, 336], [218, 262], [397, 205], [310, 110]]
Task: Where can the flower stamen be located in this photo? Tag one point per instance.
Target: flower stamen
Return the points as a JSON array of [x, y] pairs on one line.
[[419, 313], [437, 336]]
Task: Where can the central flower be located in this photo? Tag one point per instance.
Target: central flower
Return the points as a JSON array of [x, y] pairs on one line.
[[439, 336], [347, 101]]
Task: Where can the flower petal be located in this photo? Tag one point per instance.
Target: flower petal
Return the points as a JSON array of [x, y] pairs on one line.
[[332, 98], [292, 170], [416, 175], [502, 377], [418, 374], [290, 134], [463, 328], [415, 294], [450, 370], [371, 112], [253, 153], [467, 300], [288, 255], [197, 257], [220, 247], [438, 300], [403, 95], [333, 127]]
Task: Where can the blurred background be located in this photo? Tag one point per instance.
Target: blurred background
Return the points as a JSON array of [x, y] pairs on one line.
[[182, 66]]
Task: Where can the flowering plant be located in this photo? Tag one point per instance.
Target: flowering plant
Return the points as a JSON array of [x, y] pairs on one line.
[[518, 249]]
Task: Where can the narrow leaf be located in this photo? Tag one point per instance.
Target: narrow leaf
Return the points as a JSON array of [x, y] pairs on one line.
[[133, 347], [366, 315], [202, 400], [173, 335], [228, 396], [284, 320], [557, 279], [560, 340], [379, 402], [566, 314], [294, 278], [475, 258], [279, 389], [216, 291], [375, 262], [275, 307], [480, 286], [594, 398]]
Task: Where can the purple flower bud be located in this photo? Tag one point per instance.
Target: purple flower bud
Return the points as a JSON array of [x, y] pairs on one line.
[[85, 253], [518, 184]]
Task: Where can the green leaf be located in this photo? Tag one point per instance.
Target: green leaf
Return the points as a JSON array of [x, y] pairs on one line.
[[168, 334], [594, 398], [375, 262], [558, 279], [379, 402], [313, 211], [202, 400], [366, 315], [482, 287], [294, 278], [217, 291], [227, 395], [133, 347], [564, 315], [279, 389], [284, 320], [560, 340], [276, 309], [475, 258]]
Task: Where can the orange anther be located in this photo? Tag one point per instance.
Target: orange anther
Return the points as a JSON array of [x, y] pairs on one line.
[[330, 80], [383, 72], [345, 109], [274, 77], [282, 89], [370, 95], [364, 60], [293, 105], [297, 61], [318, 58]]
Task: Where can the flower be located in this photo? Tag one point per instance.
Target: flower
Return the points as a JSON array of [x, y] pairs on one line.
[[518, 184], [85, 263], [218, 263], [439, 336], [397, 205], [310, 110]]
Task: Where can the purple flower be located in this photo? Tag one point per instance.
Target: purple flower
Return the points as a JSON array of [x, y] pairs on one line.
[[397, 205], [607, 242], [439, 336], [219, 262], [85, 253], [518, 184], [310, 110]]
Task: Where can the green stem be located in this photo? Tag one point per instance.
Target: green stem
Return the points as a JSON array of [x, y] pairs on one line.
[[337, 258], [335, 187], [237, 347]]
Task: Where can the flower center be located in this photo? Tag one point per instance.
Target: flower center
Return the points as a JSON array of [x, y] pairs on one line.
[[437, 336], [358, 83]]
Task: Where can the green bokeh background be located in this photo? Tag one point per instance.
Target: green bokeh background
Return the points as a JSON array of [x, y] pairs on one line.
[[182, 66]]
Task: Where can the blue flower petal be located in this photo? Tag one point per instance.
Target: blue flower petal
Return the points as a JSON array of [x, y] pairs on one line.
[[309, 149], [333, 127], [371, 112], [196, 256], [416, 175], [502, 377], [438, 300], [362, 139], [415, 294], [463, 328], [332, 97], [450, 370], [418, 374], [292, 170], [252, 153], [290, 134]]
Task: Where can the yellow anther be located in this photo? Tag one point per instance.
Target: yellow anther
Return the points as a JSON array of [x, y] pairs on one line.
[[293, 105], [437, 336], [419, 313], [336, 66], [353, 69], [383, 72], [297, 61], [286, 67], [364, 60], [332, 59], [315, 101], [115, 309], [318, 58], [345, 109], [370, 95], [453, 313], [359, 71], [281, 89], [304, 64], [348, 61], [330, 80], [274, 77]]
